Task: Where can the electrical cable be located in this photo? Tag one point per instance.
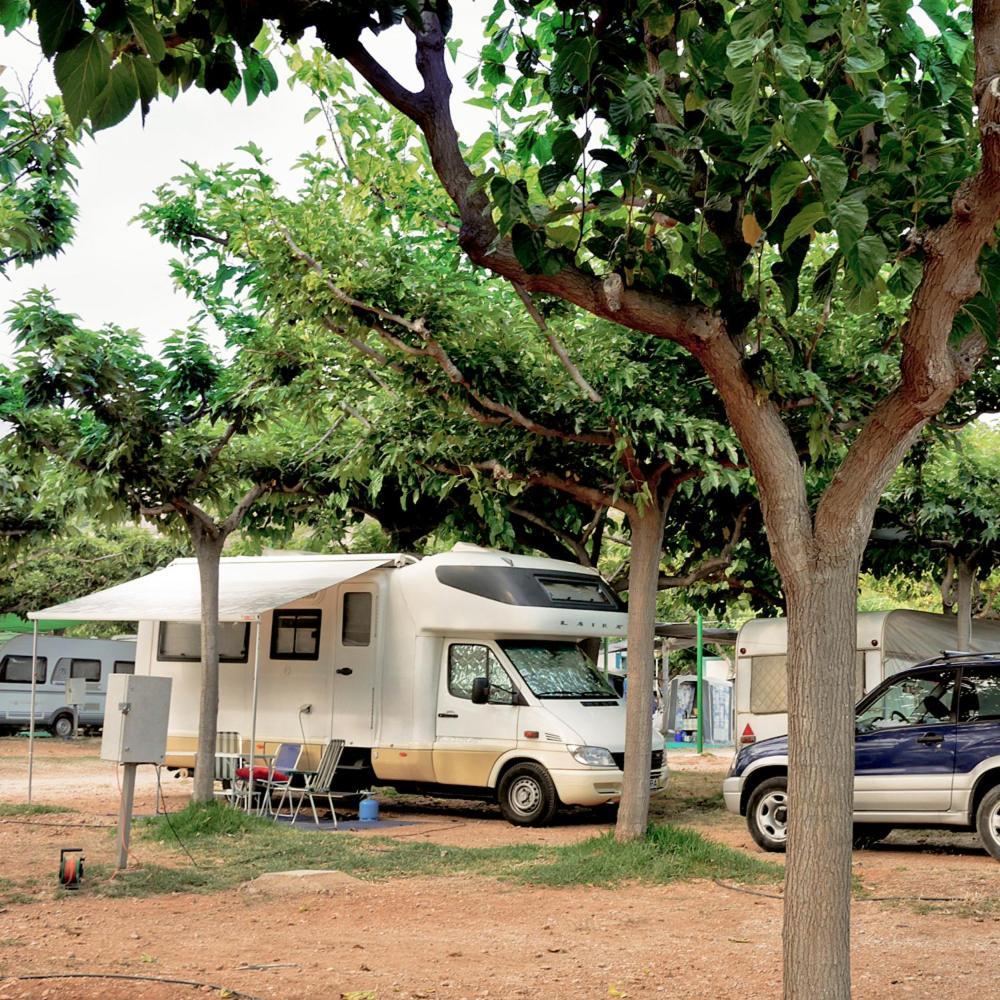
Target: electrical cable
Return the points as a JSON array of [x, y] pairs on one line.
[[166, 816], [859, 899], [236, 994]]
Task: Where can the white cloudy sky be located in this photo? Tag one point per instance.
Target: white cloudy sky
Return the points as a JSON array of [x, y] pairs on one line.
[[114, 271]]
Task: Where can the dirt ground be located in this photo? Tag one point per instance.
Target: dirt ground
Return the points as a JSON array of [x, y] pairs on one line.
[[463, 937]]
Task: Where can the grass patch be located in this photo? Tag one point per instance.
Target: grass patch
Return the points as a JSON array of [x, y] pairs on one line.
[[231, 847], [690, 796], [666, 854], [35, 809]]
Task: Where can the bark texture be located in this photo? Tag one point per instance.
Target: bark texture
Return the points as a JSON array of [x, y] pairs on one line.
[[822, 605], [644, 571], [208, 549]]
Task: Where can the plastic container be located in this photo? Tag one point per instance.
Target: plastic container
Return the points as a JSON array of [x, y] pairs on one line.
[[368, 811]]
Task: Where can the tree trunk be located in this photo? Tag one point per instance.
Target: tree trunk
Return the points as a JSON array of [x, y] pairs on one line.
[[822, 625], [643, 577], [208, 549], [966, 577]]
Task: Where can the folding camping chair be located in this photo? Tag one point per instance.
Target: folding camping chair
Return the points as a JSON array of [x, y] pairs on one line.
[[228, 757], [277, 773], [317, 783]]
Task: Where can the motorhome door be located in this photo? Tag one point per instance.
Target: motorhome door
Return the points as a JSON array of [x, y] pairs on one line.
[[470, 738], [353, 710]]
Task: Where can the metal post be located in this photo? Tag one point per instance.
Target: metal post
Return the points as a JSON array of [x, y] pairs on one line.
[[604, 644], [31, 722], [253, 712], [125, 814], [699, 701]]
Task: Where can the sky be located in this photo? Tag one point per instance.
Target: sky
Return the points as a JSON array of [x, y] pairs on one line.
[[116, 272]]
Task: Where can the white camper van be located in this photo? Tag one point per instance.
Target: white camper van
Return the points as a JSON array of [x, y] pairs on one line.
[[459, 674], [887, 642], [58, 659]]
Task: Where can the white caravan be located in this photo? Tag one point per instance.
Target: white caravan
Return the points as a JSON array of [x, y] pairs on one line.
[[59, 658], [887, 642], [459, 674]]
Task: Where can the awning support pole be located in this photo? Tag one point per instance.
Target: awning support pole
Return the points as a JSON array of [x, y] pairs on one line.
[[700, 682], [253, 712], [31, 721]]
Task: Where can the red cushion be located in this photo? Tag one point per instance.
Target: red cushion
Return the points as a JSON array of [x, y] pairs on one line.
[[260, 774]]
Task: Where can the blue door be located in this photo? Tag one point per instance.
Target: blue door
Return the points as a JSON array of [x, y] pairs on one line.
[[905, 747]]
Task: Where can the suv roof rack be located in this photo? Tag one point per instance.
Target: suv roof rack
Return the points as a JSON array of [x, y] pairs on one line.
[[958, 654]]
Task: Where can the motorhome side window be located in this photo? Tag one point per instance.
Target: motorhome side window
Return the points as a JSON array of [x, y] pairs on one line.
[[17, 670], [357, 625], [182, 641], [124, 666], [295, 635], [466, 662], [576, 591], [89, 670]]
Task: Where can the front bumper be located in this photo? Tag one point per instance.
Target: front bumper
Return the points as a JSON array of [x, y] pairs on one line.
[[591, 787], [732, 793]]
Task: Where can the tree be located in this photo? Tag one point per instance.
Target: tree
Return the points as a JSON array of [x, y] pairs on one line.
[[940, 514], [703, 153], [190, 443]]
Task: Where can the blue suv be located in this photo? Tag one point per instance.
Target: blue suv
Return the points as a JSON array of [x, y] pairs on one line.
[[926, 754]]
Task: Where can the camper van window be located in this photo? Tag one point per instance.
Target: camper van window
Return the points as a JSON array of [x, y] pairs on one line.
[[579, 591], [89, 670], [124, 666], [295, 635], [357, 627], [182, 641], [557, 670], [17, 670], [466, 662], [767, 683]]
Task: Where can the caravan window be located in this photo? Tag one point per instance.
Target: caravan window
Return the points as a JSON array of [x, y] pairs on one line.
[[89, 670], [768, 676], [295, 635], [357, 627], [17, 670], [182, 641], [124, 666]]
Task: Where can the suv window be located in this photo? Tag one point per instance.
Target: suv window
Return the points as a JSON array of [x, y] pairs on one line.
[[911, 700], [979, 697]]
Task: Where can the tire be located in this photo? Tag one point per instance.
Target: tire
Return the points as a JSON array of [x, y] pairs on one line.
[[62, 726], [767, 814], [527, 796], [869, 834], [988, 821]]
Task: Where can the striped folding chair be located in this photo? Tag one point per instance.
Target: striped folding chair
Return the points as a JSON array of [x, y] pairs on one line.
[[318, 783]]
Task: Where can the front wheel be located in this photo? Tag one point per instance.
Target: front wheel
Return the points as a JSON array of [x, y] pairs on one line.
[[988, 821], [527, 796], [767, 814], [62, 726]]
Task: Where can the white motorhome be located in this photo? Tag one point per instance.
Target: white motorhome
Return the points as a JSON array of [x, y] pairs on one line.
[[59, 658], [458, 674], [887, 642]]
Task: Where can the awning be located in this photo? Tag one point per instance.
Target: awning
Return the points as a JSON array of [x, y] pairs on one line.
[[248, 586]]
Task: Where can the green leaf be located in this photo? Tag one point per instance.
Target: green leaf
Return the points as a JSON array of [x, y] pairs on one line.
[[146, 33], [56, 20], [82, 73], [849, 217], [784, 183], [146, 79], [511, 199], [805, 123], [983, 312], [863, 56], [793, 59], [117, 99], [785, 272], [832, 176], [802, 223], [744, 49], [746, 91], [550, 177], [865, 259]]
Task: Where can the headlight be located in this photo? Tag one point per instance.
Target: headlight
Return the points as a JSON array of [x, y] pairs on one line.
[[735, 764], [591, 756]]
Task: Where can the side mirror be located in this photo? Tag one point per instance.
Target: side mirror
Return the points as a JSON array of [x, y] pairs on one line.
[[480, 691]]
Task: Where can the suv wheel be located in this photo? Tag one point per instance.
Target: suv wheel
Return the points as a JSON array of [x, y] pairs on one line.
[[988, 821], [767, 814], [527, 796]]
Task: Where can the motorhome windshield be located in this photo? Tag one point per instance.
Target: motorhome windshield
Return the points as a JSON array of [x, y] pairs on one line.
[[557, 670]]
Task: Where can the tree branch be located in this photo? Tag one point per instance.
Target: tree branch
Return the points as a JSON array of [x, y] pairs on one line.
[[579, 550]]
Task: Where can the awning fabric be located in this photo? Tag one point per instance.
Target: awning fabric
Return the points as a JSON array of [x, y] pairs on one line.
[[248, 587]]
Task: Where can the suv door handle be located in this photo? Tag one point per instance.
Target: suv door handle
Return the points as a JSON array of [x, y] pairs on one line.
[[447, 715], [931, 739]]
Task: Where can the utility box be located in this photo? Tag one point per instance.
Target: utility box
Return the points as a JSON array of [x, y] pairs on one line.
[[135, 719], [76, 691]]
